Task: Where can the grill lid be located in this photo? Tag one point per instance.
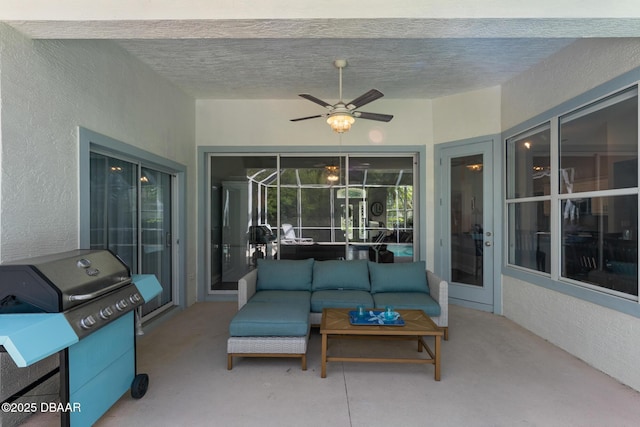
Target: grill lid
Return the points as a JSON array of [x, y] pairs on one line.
[[57, 282]]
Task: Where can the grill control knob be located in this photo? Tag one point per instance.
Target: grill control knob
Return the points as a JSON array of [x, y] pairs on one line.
[[88, 322], [135, 298], [106, 312], [122, 305]]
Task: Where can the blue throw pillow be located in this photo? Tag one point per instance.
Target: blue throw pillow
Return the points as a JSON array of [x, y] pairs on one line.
[[285, 274], [335, 274], [400, 277]]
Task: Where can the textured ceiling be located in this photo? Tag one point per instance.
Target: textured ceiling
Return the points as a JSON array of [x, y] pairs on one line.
[[283, 68], [278, 59]]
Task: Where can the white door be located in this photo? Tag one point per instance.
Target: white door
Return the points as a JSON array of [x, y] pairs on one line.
[[466, 223]]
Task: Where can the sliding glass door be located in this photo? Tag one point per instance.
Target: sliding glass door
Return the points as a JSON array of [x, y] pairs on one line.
[[131, 215], [326, 206]]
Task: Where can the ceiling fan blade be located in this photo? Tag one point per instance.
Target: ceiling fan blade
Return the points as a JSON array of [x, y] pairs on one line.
[[373, 116], [316, 100], [364, 99], [306, 118]]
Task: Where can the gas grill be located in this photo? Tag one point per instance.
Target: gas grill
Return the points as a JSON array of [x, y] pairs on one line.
[[81, 305], [91, 288]]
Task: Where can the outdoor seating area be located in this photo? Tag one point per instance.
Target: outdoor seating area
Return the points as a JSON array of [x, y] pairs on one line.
[[281, 300], [322, 192]]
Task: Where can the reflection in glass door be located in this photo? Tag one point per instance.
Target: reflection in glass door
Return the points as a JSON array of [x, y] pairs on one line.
[[467, 223], [114, 208], [242, 217], [130, 214], [155, 220]]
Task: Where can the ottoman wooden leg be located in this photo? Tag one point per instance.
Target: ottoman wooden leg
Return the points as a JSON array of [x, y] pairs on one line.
[[229, 361]]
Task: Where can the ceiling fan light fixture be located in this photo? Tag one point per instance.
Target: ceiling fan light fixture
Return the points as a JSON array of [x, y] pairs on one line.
[[332, 175], [340, 123], [333, 178]]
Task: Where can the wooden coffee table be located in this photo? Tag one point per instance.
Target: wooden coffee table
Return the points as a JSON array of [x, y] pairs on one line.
[[335, 323]]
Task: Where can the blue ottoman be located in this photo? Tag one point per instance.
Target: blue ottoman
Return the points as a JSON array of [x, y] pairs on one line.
[[269, 329]]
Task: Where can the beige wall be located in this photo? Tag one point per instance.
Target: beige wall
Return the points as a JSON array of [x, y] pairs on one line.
[[467, 115], [266, 123]]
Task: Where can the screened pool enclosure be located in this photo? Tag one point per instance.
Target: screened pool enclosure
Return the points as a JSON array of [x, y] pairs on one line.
[[296, 207]]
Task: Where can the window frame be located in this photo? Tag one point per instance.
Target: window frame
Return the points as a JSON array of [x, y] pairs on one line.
[[628, 304]]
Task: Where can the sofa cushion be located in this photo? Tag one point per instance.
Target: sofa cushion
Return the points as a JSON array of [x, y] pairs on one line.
[[336, 274], [284, 275], [294, 297], [400, 277], [268, 319], [408, 301], [339, 299]]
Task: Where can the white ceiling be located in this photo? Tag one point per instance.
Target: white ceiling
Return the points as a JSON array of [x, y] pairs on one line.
[[267, 58]]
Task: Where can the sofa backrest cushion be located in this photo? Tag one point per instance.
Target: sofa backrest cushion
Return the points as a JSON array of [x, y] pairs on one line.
[[337, 274], [284, 274], [399, 277]]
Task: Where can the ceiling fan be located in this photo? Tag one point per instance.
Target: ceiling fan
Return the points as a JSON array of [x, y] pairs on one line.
[[342, 115]]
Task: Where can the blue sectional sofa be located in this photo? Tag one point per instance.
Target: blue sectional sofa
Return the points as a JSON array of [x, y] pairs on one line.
[[280, 300]]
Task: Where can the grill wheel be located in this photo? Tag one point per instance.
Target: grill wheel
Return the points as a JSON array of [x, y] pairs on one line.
[[139, 386]]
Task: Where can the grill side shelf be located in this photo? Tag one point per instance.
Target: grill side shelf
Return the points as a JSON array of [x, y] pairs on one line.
[[147, 285], [29, 338]]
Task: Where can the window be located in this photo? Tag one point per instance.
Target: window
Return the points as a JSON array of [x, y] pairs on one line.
[[529, 189], [590, 197]]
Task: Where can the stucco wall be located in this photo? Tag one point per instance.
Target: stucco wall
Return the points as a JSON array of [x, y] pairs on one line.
[[602, 337], [48, 89], [572, 71], [467, 115]]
